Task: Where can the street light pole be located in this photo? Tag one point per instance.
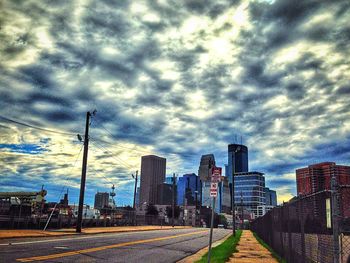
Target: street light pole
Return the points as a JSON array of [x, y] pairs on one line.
[[134, 205], [233, 199], [135, 188], [173, 202], [233, 190]]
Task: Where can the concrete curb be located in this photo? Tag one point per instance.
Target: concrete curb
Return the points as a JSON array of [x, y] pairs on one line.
[[61, 234], [198, 255]]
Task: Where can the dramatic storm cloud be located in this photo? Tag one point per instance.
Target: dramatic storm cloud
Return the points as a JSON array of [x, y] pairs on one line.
[[174, 78]]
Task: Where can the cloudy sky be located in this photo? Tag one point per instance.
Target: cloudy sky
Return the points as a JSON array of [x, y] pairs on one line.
[[174, 78]]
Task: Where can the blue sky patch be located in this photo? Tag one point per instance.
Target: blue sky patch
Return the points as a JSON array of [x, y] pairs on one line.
[[26, 148]]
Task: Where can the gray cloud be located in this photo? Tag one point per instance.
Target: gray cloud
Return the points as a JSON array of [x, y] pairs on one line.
[[179, 79]]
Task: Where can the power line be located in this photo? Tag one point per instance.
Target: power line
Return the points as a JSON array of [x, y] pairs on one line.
[[35, 127], [133, 149], [123, 147], [126, 165], [100, 174]]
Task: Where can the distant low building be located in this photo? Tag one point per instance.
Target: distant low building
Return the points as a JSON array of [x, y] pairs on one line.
[[263, 209], [88, 212]]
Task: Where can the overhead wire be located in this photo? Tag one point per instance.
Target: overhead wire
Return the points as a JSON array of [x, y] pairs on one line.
[[35, 127], [126, 165], [132, 149]]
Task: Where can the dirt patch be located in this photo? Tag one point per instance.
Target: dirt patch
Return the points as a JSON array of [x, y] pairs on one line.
[[251, 251]]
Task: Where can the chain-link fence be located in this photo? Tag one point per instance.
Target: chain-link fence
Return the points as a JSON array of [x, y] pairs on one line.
[[118, 218], [313, 228]]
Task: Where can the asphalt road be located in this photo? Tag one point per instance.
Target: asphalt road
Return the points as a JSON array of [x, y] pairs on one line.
[[147, 246]]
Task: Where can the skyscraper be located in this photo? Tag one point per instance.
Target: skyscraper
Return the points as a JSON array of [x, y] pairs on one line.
[[188, 190], [204, 171], [101, 200], [237, 159], [152, 174], [165, 194], [270, 197]]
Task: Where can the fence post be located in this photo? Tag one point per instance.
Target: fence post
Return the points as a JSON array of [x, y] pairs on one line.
[[335, 216], [290, 258], [280, 219], [302, 230]]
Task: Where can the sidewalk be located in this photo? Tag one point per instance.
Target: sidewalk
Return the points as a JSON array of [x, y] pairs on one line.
[[251, 251], [18, 233]]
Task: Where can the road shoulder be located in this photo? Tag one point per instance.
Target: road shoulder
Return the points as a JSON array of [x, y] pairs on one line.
[[31, 233]]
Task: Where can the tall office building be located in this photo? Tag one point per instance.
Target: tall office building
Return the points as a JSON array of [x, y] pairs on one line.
[[237, 160], [206, 164], [188, 190], [152, 174], [207, 199], [137, 197], [101, 200], [165, 194], [270, 197], [225, 196], [317, 177], [249, 190]]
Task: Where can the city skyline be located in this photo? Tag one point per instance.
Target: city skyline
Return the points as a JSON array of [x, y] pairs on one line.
[[174, 79]]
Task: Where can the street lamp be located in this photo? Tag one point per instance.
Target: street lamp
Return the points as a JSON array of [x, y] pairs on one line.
[[135, 188], [233, 190]]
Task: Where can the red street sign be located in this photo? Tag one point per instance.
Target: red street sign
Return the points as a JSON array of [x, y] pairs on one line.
[[216, 174], [213, 186]]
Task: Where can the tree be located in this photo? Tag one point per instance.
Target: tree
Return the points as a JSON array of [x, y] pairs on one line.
[[169, 212], [223, 220], [151, 210]]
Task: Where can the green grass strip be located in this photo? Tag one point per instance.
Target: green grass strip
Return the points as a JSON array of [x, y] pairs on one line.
[[222, 252], [274, 254]]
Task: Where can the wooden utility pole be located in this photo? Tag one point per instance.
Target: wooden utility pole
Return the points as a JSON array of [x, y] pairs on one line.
[[83, 173]]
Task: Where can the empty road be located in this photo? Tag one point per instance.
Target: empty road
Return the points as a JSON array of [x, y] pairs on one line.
[[142, 246]]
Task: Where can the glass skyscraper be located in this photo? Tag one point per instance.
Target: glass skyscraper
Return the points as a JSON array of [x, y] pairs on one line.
[[237, 160], [187, 187], [251, 187], [270, 196]]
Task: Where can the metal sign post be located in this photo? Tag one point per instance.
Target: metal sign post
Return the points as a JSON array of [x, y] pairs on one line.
[[211, 228], [215, 179]]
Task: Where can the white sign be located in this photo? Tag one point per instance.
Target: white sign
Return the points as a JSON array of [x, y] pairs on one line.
[[328, 213], [213, 193], [213, 186]]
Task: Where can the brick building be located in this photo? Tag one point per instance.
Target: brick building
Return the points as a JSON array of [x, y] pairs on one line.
[[317, 177]]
